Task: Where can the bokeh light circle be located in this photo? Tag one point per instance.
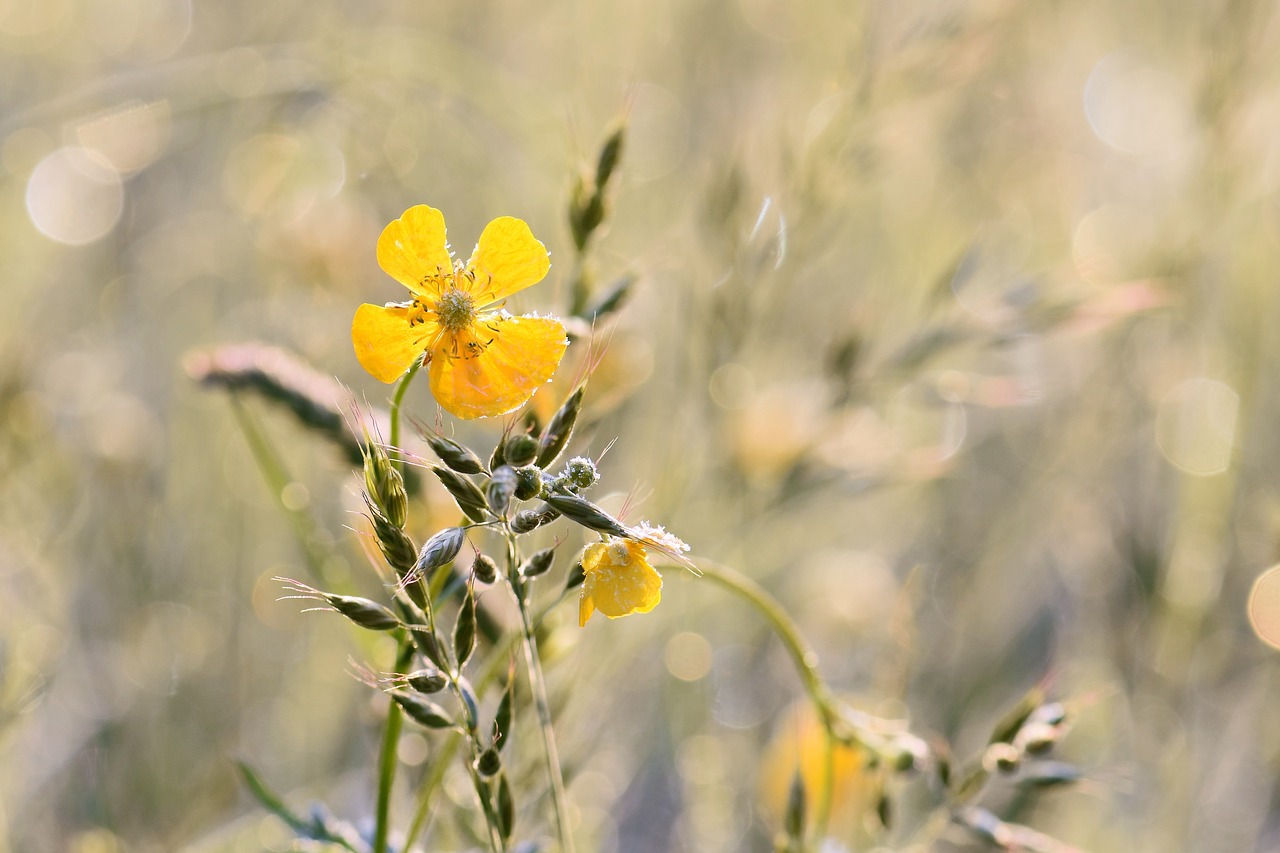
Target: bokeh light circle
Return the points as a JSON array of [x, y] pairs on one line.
[[1264, 607], [1196, 426], [74, 197]]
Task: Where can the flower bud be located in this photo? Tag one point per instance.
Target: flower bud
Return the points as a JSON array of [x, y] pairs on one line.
[[582, 472]]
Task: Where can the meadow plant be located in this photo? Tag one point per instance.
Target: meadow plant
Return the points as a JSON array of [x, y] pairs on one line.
[[475, 680]]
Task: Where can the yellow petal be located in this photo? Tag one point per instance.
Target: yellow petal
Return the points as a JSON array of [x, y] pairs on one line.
[[508, 258], [413, 248], [496, 365], [619, 581], [385, 343]]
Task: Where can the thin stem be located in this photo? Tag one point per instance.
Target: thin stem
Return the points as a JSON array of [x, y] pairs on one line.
[[404, 654], [387, 756], [533, 663], [394, 437], [486, 674], [273, 470], [806, 663]]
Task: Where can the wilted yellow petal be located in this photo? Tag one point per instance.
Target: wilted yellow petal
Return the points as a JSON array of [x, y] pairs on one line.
[[385, 343], [619, 580], [496, 365], [414, 247], [507, 258]]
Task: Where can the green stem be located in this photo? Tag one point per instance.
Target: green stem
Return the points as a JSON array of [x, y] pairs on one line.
[[394, 437], [404, 654], [273, 470], [493, 665], [806, 663], [387, 756], [537, 681]]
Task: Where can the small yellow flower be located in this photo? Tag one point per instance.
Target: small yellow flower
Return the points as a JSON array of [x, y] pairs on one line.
[[483, 361], [619, 580]]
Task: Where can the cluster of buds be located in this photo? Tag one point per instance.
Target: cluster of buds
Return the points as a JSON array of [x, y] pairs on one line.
[[1035, 737]]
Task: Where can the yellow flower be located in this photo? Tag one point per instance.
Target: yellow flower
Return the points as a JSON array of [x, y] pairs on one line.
[[483, 361], [619, 580]]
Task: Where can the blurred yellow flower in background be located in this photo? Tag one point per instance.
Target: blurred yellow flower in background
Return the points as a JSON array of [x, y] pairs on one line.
[[798, 746], [482, 360], [619, 580]]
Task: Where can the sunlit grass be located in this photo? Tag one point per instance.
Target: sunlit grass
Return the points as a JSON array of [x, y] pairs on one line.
[[951, 327]]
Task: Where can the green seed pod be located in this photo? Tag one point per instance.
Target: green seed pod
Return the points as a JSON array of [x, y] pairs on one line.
[[502, 488], [793, 820], [385, 485], [440, 550], [585, 211], [506, 807], [577, 575], [610, 156], [484, 569], [557, 434], [502, 717], [986, 825], [464, 630], [498, 458], [427, 680], [469, 703], [909, 753], [429, 647], [1002, 758], [520, 450], [1052, 713], [538, 564], [363, 612], [1038, 738], [528, 483], [489, 762], [1049, 774], [611, 300], [423, 711], [587, 514], [457, 457], [468, 496], [527, 520], [395, 544], [1008, 726]]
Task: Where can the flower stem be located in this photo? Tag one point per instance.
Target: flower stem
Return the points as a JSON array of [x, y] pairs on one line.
[[394, 437], [404, 654], [806, 663], [537, 682], [387, 757]]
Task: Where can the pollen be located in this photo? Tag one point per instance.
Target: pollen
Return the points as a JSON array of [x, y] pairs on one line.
[[456, 309]]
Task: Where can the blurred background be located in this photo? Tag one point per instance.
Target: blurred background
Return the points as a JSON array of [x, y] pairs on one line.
[[953, 326]]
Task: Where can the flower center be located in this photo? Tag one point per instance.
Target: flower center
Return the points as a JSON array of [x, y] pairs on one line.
[[456, 309]]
